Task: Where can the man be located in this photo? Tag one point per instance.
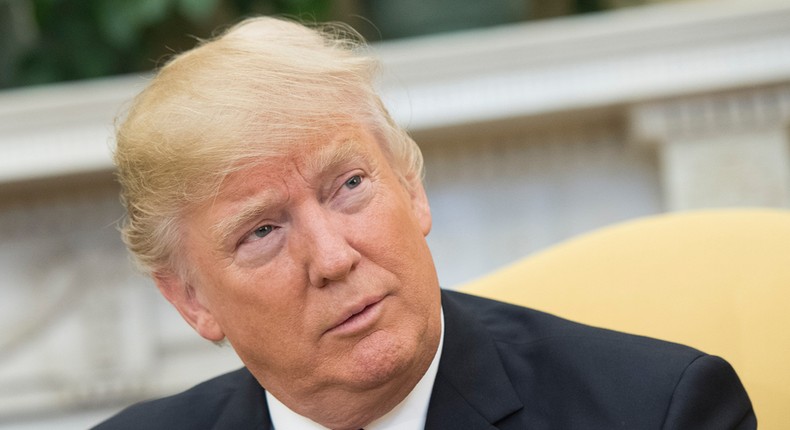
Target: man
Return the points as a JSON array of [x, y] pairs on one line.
[[278, 207]]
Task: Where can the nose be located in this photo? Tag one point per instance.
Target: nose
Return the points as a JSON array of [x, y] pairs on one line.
[[330, 257]]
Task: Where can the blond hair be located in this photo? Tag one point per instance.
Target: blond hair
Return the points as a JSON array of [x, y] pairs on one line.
[[262, 87]]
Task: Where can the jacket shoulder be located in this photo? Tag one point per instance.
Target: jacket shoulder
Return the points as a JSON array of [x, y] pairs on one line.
[[517, 325], [573, 375], [196, 408]]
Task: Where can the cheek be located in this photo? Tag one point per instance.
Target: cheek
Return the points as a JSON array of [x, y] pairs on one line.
[[399, 235], [256, 305], [394, 216], [394, 242], [267, 335]]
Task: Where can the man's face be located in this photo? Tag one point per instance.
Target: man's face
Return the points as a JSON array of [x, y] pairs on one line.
[[315, 268]]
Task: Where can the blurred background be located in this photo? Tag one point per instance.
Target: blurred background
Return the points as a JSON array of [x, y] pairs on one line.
[[539, 120], [44, 41]]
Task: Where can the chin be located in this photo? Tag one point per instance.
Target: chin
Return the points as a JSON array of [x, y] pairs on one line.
[[380, 358]]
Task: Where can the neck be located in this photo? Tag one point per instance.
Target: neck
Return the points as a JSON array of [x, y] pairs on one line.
[[343, 409]]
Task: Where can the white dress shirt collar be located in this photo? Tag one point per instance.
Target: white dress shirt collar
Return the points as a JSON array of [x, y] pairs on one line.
[[410, 414]]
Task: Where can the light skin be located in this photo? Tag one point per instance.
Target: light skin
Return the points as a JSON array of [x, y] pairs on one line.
[[315, 267]]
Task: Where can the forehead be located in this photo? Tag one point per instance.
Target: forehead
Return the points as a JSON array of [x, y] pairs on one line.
[[349, 146], [307, 158]]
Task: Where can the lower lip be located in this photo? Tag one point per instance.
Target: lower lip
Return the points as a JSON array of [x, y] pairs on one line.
[[359, 322]]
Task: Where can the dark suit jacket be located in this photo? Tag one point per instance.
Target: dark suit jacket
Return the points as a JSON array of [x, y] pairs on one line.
[[507, 367]]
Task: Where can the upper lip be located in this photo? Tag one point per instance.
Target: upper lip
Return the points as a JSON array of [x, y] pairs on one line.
[[353, 309]]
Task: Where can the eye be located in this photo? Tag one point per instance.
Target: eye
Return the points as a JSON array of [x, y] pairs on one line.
[[355, 189], [262, 231], [353, 181]]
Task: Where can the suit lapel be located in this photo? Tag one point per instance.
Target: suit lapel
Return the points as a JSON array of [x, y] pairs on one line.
[[472, 389], [246, 408]]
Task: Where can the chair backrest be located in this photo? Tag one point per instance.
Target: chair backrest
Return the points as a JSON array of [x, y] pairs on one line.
[[716, 280]]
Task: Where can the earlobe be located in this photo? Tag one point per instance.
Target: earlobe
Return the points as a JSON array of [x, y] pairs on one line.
[[184, 298]]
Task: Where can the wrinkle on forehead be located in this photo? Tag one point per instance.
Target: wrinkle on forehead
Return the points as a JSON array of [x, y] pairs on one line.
[[344, 149]]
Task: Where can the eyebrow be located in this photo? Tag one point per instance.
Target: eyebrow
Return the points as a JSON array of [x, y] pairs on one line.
[[338, 153], [228, 226]]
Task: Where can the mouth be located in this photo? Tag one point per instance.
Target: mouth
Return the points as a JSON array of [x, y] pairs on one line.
[[358, 318]]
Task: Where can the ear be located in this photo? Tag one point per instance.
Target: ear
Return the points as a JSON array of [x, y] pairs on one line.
[[185, 298], [419, 204]]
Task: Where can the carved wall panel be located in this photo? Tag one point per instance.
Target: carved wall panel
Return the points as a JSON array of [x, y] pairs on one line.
[[501, 197], [723, 149], [82, 329]]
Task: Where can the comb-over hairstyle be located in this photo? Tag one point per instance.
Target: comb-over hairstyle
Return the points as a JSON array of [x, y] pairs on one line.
[[260, 89]]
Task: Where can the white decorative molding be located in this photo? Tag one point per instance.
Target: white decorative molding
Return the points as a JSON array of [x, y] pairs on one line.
[[722, 149], [518, 71], [593, 61], [60, 130], [739, 169], [497, 198], [715, 114]]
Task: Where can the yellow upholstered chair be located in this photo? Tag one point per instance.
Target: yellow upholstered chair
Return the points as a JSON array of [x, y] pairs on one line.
[[716, 280]]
